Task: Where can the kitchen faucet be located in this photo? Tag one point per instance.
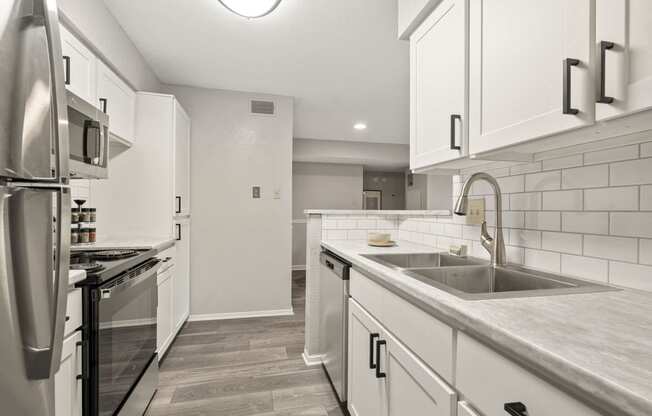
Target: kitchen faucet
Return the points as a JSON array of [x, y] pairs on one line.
[[495, 247]]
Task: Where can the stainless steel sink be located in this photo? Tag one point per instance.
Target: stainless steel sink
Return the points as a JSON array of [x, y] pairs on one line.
[[487, 282], [418, 260]]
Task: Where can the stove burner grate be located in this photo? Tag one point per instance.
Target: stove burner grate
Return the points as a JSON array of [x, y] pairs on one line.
[[113, 254], [87, 267]]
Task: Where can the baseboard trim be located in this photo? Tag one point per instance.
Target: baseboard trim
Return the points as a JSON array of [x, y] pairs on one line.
[[311, 360], [240, 315], [299, 267]]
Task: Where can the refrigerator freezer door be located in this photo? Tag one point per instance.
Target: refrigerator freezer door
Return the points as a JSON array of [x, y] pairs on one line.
[[34, 258], [33, 126]]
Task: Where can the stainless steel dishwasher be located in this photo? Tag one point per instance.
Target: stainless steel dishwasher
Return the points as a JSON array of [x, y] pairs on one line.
[[333, 308]]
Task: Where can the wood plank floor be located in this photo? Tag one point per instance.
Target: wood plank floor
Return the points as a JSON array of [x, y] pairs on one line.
[[244, 367]]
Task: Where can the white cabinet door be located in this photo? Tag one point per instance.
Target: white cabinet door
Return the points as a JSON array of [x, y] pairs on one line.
[[164, 313], [181, 296], [624, 50], [67, 388], [182, 161], [438, 86], [517, 58], [412, 388], [80, 66], [365, 391], [118, 100]]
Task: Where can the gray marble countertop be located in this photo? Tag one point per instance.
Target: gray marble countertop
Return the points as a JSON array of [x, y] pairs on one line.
[[596, 347]]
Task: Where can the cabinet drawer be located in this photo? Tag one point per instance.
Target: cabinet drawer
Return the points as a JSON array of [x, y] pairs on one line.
[[73, 311], [423, 334], [488, 381]]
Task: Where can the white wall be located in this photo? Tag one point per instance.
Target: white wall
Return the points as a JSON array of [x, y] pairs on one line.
[[91, 20], [241, 247], [321, 186]]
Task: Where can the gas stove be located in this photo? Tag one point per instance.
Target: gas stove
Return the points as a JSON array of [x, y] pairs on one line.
[[103, 265]]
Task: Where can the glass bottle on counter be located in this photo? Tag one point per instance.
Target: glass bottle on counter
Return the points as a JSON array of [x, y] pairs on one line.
[[74, 235], [85, 215], [92, 215], [74, 216]]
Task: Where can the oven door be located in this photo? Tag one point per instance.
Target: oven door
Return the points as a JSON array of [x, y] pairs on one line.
[[126, 334]]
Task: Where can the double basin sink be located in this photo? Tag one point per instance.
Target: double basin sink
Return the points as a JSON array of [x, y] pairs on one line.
[[475, 279]]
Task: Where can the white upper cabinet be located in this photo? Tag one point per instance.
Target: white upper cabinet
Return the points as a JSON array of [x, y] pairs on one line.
[[438, 86], [411, 13], [80, 67], [531, 70], [624, 52], [118, 100], [182, 161]]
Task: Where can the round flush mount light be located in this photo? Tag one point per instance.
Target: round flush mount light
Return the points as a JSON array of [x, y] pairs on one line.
[[251, 9], [360, 126]]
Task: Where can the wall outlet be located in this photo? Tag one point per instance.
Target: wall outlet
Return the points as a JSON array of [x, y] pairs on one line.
[[475, 214], [255, 192]]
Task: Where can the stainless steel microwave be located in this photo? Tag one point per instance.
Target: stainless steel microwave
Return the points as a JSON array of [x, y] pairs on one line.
[[88, 129]]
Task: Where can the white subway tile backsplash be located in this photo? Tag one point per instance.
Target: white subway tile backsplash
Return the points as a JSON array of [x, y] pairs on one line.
[[346, 224], [584, 267], [511, 184], [646, 198], [611, 155], [544, 181], [611, 199], [544, 260], [630, 275], [511, 219], [563, 200], [585, 177], [645, 252], [367, 223], [515, 255], [547, 221], [563, 162], [530, 201], [562, 242], [525, 168], [453, 230], [631, 224], [585, 222], [634, 172], [613, 248], [356, 235], [525, 238], [335, 234]]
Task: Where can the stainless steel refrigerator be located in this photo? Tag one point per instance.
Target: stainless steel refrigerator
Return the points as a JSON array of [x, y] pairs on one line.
[[34, 206]]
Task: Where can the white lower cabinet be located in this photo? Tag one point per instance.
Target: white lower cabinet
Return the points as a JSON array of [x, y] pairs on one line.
[[165, 311], [67, 387], [385, 378]]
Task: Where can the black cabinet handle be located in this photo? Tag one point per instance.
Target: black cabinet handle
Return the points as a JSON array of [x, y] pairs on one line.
[[104, 104], [85, 360], [178, 232], [67, 318], [568, 63], [516, 409], [66, 60], [604, 46], [372, 363], [178, 210], [453, 118], [379, 374]]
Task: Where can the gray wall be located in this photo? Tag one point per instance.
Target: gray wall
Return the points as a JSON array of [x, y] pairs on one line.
[[321, 186], [241, 247], [92, 20], [392, 186]]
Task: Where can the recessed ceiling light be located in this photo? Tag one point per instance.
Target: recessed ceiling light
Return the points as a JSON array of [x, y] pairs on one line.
[[251, 9], [360, 126]]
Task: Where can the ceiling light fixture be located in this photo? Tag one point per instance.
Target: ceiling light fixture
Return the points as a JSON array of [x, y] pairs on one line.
[[360, 126], [251, 9]]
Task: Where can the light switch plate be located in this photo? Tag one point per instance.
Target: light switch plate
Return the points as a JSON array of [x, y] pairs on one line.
[[475, 214]]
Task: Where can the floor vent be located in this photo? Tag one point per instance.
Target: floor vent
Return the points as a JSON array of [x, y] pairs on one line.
[[262, 107]]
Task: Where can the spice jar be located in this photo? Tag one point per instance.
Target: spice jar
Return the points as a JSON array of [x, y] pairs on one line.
[[93, 214], [85, 215], [74, 236], [84, 235], [92, 235], [74, 216]]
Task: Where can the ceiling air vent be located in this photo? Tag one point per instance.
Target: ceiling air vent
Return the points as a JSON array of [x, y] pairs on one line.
[[262, 107]]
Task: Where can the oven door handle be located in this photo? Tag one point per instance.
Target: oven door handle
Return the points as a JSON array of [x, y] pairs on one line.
[[154, 265]]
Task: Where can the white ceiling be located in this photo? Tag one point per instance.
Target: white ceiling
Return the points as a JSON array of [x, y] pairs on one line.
[[339, 59]]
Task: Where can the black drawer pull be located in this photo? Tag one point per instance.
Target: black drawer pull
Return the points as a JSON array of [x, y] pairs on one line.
[[604, 46], [178, 232], [178, 211], [379, 374], [66, 60], [372, 363], [85, 360], [516, 409], [568, 63], [453, 118]]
